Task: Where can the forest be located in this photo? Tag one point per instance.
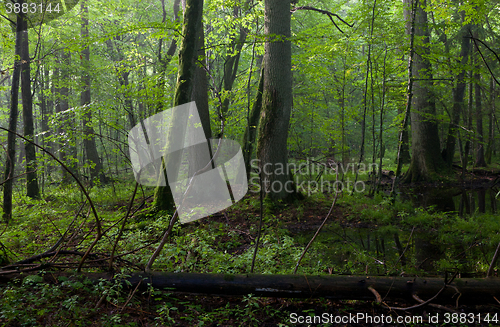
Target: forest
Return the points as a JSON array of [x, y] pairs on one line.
[[249, 163]]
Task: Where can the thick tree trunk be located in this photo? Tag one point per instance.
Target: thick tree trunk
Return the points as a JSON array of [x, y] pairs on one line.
[[426, 160], [13, 116], [32, 189], [92, 156], [163, 199], [276, 102]]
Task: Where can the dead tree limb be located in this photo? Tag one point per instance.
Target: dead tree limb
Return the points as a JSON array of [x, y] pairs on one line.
[[325, 12]]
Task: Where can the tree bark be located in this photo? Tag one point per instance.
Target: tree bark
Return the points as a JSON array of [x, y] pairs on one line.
[[253, 123], [13, 116], [65, 130], [426, 160], [32, 189], [480, 162], [458, 97], [232, 62], [163, 199], [92, 156], [472, 290], [276, 102]]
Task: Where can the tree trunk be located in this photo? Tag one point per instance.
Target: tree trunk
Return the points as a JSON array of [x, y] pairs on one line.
[[92, 156], [163, 199], [276, 102], [480, 162], [426, 160], [13, 115], [232, 61], [32, 189], [491, 117], [253, 123], [472, 290], [458, 97], [65, 130]]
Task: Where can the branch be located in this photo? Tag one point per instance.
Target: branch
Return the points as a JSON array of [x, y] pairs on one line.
[[482, 57], [325, 12], [94, 211]]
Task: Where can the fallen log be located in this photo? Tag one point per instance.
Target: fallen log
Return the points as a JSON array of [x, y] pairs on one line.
[[460, 291]]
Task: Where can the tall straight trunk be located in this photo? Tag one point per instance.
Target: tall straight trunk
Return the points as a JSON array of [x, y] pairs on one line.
[[129, 106], [232, 61], [468, 122], [92, 156], [491, 117], [276, 102], [426, 160], [164, 60], [32, 189], [200, 83], [163, 199], [409, 13], [45, 111], [458, 97], [65, 127], [13, 116], [253, 123], [480, 162]]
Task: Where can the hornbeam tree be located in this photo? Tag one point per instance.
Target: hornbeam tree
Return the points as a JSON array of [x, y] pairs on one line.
[[426, 160], [276, 102], [163, 199]]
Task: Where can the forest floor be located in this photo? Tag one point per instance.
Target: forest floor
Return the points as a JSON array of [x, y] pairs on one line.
[[356, 232]]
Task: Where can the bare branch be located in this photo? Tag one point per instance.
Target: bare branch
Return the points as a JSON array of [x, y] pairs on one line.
[[325, 12]]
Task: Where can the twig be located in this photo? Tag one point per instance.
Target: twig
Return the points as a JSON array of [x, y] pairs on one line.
[[437, 306], [482, 57], [94, 211], [325, 12], [131, 295], [446, 284], [123, 227], [377, 295]]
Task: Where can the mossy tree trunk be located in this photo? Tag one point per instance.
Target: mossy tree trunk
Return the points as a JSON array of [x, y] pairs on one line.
[[426, 160], [163, 199]]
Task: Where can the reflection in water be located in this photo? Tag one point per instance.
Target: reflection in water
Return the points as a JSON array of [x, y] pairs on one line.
[[469, 200], [370, 251], [463, 201]]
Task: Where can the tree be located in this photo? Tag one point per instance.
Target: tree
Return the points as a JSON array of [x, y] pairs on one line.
[[480, 162], [426, 160], [94, 161], [163, 199], [276, 102], [32, 189], [458, 96], [13, 115]]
